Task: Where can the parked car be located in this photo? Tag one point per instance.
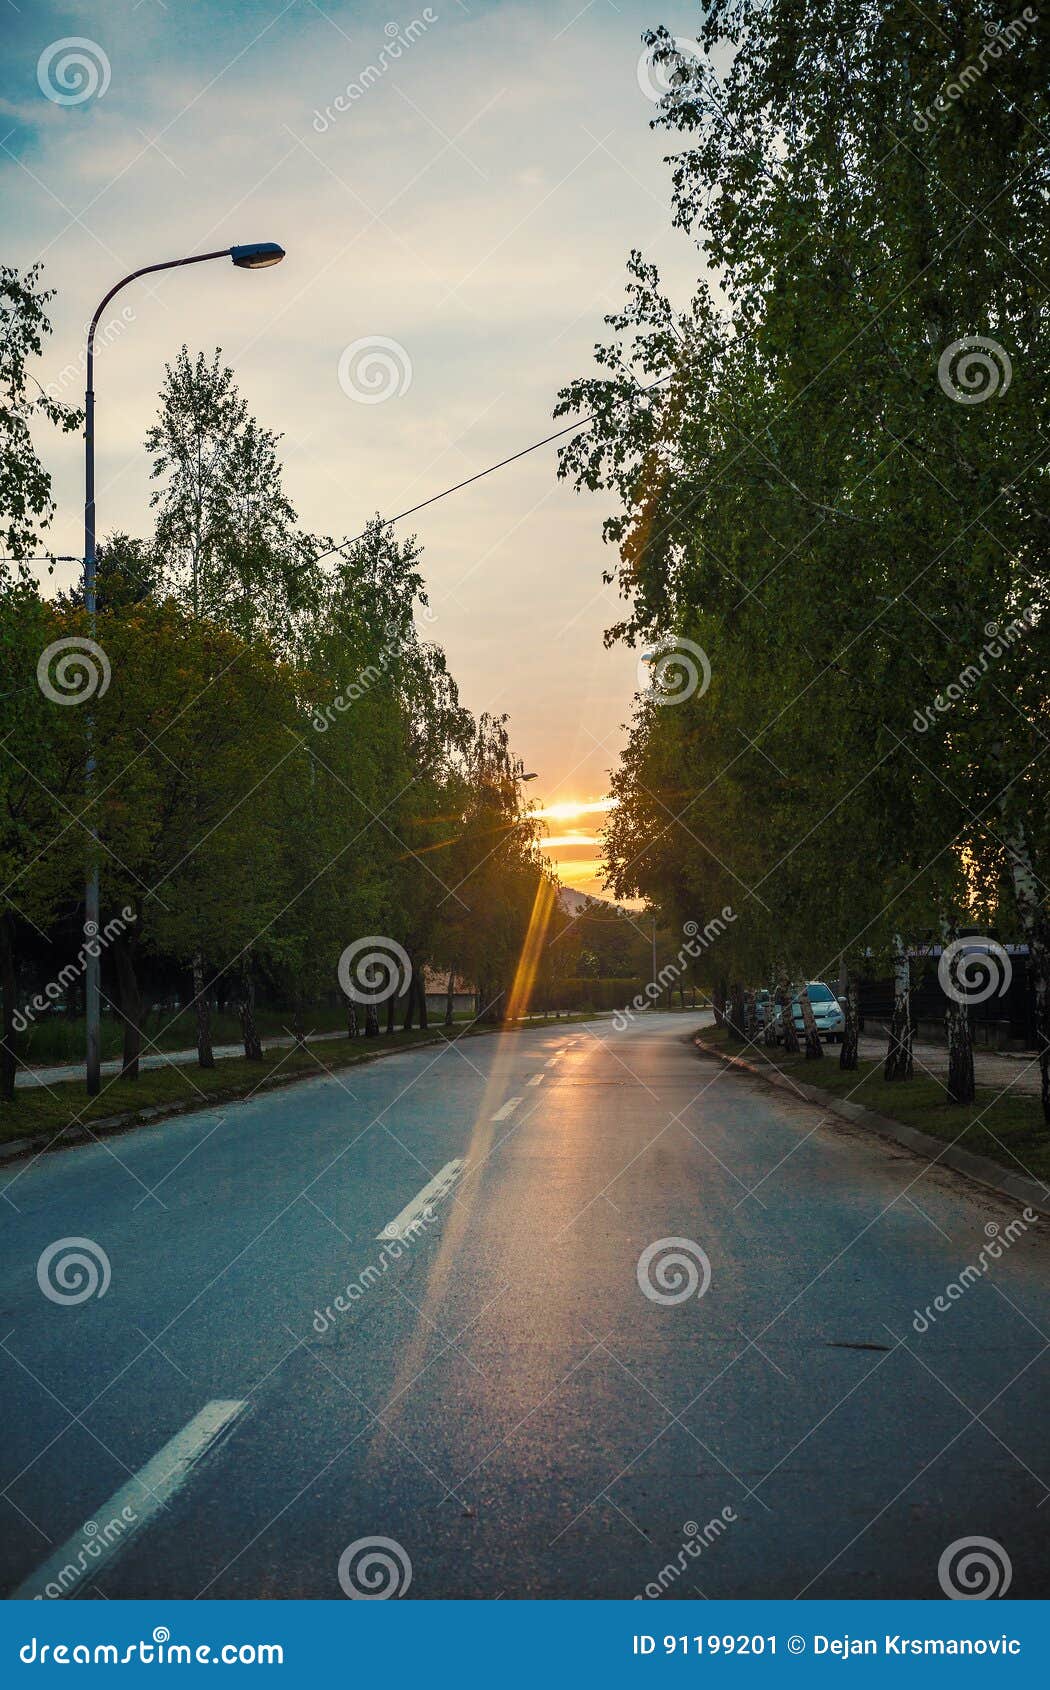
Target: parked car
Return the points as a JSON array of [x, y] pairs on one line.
[[763, 1000], [827, 1012]]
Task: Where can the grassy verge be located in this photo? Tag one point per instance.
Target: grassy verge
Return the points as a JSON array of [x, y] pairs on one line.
[[45, 1110], [57, 1040], [1007, 1129]]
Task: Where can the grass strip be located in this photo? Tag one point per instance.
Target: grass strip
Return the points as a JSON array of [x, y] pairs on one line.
[[1006, 1126]]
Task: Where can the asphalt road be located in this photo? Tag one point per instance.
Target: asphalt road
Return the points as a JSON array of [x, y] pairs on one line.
[[503, 1401]]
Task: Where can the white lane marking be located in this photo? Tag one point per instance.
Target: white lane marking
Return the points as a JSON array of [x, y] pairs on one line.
[[109, 1531], [432, 1193], [537, 1079], [508, 1109]]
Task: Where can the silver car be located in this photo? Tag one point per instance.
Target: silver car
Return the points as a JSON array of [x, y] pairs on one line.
[[827, 1012]]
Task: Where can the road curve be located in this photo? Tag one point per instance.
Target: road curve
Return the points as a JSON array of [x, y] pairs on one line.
[[530, 1396]]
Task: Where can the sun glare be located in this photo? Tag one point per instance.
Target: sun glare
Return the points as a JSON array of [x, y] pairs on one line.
[[568, 812]]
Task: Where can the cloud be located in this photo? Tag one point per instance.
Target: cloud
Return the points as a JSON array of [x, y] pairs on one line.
[[476, 204]]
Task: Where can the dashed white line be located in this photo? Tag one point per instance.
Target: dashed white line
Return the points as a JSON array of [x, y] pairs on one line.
[[432, 1193], [113, 1526], [508, 1109], [537, 1079]]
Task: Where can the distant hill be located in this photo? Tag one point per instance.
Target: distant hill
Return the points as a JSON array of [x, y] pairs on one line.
[[573, 902]]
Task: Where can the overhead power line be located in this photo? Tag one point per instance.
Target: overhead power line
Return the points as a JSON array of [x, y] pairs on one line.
[[581, 422], [388, 522]]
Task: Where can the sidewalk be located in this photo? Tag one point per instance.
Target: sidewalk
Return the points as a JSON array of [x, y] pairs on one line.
[[155, 1059], [1017, 1071], [41, 1076]]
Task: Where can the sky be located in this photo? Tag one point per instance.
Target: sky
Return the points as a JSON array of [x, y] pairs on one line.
[[454, 236]]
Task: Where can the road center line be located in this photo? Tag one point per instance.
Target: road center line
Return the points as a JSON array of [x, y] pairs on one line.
[[508, 1109], [107, 1534], [537, 1079], [432, 1193]]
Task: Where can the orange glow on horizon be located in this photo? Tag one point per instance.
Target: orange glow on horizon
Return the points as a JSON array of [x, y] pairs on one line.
[[562, 839], [571, 809]]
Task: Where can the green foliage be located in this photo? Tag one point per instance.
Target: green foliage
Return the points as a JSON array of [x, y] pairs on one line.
[[809, 498], [282, 762], [26, 504]]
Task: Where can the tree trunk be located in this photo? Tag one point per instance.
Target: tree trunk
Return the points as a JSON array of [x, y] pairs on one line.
[[721, 997], [130, 1002], [769, 1026], [1037, 933], [960, 1053], [410, 1000], [372, 1021], [848, 1051], [298, 1026], [735, 1016], [202, 1010], [419, 982], [351, 1018], [898, 1053], [253, 1051], [787, 1023], [450, 998], [9, 987], [814, 1047]]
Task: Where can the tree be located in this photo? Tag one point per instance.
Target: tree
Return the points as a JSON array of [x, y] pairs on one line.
[[810, 500], [26, 502]]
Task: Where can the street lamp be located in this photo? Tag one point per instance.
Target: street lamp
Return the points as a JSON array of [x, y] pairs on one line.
[[257, 256]]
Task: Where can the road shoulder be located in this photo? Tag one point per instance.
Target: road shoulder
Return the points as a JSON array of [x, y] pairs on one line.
[[934, 1151]]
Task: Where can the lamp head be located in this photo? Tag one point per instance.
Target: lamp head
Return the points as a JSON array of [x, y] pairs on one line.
[[259, 255]]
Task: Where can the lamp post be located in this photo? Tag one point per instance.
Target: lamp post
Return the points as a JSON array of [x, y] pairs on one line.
[[257, 256]]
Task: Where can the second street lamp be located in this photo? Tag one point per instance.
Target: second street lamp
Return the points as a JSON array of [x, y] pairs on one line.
[[259, 255]]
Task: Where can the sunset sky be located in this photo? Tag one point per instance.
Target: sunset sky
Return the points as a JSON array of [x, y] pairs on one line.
[[474, 203]]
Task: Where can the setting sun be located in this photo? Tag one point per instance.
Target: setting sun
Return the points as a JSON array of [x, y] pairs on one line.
[[567, 811]]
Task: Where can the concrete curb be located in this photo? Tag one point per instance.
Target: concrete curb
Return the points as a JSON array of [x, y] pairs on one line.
[[83, 1132], [981, 1169]]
